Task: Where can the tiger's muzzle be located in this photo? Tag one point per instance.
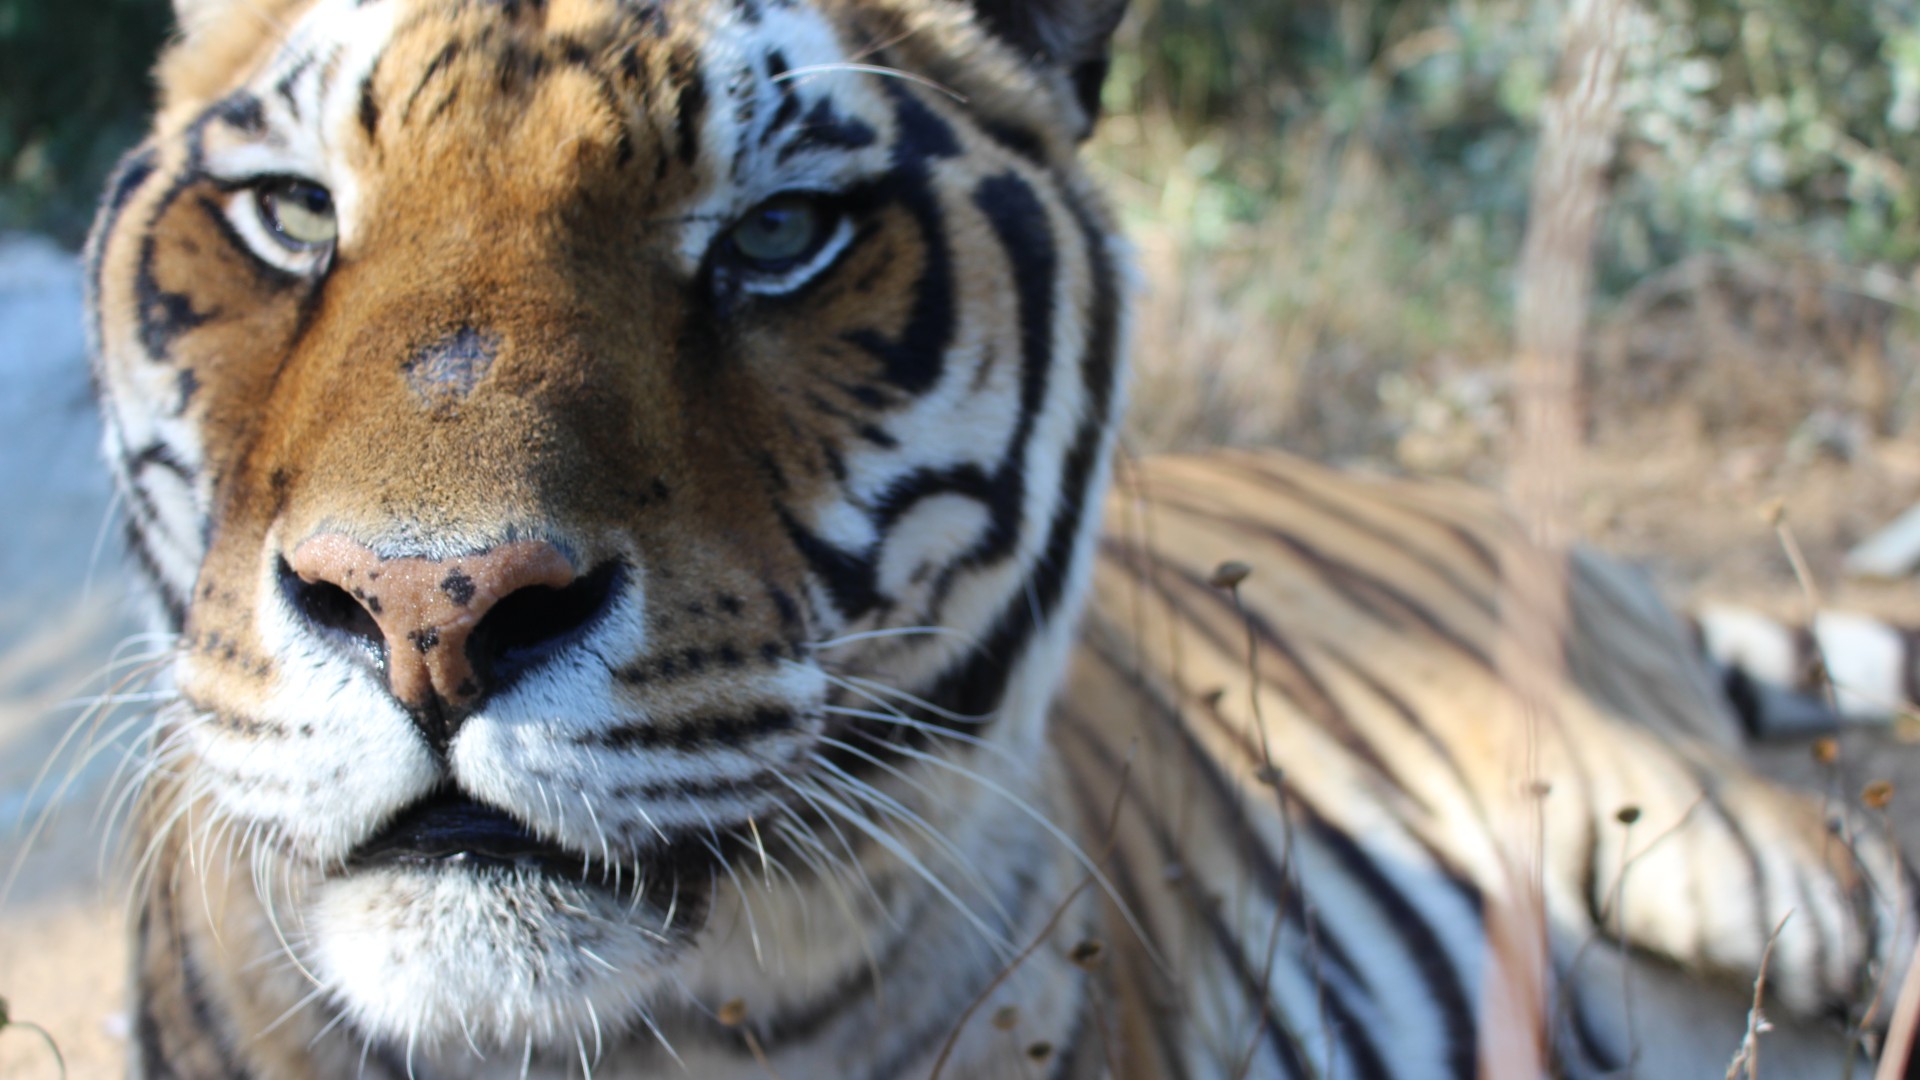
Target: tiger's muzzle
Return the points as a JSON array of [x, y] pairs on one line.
[[446, 632]]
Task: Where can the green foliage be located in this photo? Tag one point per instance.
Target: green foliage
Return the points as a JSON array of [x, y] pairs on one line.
[[1778, 123], [74, 92], [1442, 93], [1330, 199]]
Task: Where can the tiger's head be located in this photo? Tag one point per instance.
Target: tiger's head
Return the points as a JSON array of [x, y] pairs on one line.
[[616, 469]]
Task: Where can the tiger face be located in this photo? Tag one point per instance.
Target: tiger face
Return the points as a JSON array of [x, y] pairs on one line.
[[593, 450]]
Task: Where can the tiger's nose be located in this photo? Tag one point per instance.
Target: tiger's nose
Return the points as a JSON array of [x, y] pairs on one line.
[[445, 626]]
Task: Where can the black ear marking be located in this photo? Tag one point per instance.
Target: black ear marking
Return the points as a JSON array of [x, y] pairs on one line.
[[1070, 35]]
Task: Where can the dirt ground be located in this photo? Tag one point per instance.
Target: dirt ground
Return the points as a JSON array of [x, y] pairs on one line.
[[1693, 510]]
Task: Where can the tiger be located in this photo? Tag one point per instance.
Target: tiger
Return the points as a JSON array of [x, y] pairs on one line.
[[634, 492], [1786, 679]]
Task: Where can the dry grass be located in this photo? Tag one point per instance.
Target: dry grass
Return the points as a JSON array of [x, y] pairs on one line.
[[1323, 321], [1295, 324]]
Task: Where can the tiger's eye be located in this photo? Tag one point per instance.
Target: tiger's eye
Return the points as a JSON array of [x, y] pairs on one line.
[[778, 232], [299, 213]]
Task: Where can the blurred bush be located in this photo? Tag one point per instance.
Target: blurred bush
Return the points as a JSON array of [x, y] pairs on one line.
[[1330, 197], [74, 92], [1748, 121]]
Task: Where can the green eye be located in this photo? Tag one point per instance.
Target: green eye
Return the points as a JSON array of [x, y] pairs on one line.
[[780, 232], [298, 213]]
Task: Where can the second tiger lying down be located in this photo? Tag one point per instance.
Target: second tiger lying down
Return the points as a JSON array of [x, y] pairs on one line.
[[1362, 849]]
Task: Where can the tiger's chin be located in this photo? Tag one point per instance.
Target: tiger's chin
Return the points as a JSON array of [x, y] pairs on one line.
[[456, 927], [453, 956]]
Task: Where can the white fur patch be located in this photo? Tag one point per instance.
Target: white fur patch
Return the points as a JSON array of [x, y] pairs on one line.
[[442, 958]]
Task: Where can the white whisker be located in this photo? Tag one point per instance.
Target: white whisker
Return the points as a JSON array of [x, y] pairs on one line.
[[871, 69], [894, 808], [1072, 846], [906, 856], [892, 632], [867, 688], [902, 720]]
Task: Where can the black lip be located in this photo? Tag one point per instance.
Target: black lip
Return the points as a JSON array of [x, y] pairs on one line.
[[449, 826]]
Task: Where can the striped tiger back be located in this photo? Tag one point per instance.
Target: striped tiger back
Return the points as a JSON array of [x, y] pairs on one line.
[[1328, 807]]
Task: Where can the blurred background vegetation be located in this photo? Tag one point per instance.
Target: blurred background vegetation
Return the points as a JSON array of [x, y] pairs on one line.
[[1332, 196], [1329, 196], [73, 94]]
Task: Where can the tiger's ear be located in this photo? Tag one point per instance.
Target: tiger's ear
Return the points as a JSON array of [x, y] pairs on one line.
[[1070, 36]]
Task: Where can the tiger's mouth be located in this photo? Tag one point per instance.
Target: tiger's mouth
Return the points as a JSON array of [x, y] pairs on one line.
[[452, 828]]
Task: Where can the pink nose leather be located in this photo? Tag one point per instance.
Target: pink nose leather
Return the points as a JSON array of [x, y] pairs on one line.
[[427, 608]]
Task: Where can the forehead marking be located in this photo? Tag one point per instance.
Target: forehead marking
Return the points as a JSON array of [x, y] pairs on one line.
[[447, 371]]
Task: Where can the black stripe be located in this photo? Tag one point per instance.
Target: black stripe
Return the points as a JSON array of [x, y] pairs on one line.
[[1020, 223], [1756, 876], [1432, 504], [211, 1029], [1407, 714], [129, 176], [1804, 901], [1420, 942], [134, 170], [690, 107], [698, 733], [826, 129], [915, 360], [369, 108], [172, 604], [758, 783], [1910, 665], [1284, 1043], [244, 112], [162, 315], [851, 580], [743, 89], [1161, 992], [1295, 679], [152, 1053], [1168, 992], [1602, 1060], [447, 54], [1372, 594], [1806, 673], [696, 661], [1242, 833], [1394, 538], [155, 455], [284, 88], [976, 686], [789, 108]]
